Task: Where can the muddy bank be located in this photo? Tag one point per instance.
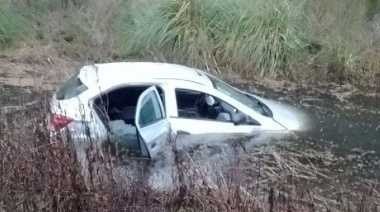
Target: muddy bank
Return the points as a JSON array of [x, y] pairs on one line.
[[35, 66], [27, 72]]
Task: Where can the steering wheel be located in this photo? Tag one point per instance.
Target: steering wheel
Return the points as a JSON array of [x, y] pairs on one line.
[[210, 112]]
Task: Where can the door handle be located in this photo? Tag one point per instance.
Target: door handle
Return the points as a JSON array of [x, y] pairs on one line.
[[182, 132], [153, 145]]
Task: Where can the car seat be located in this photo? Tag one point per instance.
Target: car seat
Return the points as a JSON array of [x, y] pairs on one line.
[[128, 114], [224, 117]]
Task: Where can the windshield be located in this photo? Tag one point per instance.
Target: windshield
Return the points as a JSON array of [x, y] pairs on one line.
[[223, 87]]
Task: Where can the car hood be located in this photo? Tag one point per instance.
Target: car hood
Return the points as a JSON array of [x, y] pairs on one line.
[[286, 115]]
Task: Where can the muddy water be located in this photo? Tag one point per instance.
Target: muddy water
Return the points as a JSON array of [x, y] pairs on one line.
[[345, 123], [347, 127]]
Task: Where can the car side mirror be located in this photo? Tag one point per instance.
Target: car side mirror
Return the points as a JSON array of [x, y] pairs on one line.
[[239, 118]]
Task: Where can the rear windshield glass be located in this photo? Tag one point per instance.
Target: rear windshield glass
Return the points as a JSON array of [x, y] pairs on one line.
[[71, 88]]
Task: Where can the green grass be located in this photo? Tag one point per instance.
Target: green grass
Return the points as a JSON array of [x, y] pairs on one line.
[[171, 30], [281, 39], [260, 36], [286, 39], [245, 35], [13, 25]]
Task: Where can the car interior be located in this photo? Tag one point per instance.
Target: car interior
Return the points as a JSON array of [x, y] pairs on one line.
[[198, 105], [116, 109], [120, 104]]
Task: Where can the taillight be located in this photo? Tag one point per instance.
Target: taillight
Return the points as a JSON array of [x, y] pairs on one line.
[[58, 121]]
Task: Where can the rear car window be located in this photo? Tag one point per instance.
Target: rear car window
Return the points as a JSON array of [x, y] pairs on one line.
[[71, 88]]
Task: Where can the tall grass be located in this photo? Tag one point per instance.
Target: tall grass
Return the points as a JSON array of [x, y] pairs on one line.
[[289, 39], [170, 30], [261, 35], [285, 39], [244, 35], [338, 28]]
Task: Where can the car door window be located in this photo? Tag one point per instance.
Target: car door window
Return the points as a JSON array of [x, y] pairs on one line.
[[150, 111], [151, 123]]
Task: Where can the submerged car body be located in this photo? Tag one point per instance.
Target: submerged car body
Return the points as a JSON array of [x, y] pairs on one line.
[[145, 101]]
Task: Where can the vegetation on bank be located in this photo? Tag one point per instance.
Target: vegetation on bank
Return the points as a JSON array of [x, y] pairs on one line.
[[333, 41]]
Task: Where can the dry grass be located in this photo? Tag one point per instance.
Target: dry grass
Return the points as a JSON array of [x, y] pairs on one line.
[[43, 174]]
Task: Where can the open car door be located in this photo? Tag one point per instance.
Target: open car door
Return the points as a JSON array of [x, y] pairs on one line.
[[151, 122]]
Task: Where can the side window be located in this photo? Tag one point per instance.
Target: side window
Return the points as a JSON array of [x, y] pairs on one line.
[[150, 111], [199, 105]]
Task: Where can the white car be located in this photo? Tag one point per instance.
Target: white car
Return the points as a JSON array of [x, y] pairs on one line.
[[142, 103]]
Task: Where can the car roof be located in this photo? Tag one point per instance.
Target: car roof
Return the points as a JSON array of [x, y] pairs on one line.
[[112, 74]]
